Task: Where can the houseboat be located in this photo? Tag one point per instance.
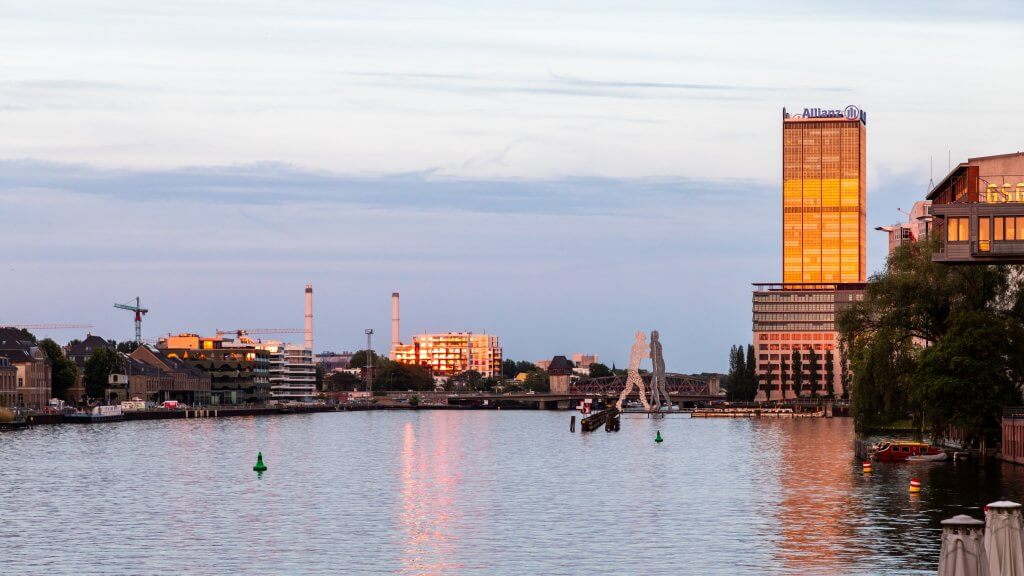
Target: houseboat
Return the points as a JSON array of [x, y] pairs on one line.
[[904, 450]]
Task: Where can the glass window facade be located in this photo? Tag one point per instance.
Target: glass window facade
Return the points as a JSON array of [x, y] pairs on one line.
[[823, 201]]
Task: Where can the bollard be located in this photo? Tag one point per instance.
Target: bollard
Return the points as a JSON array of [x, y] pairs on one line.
[[915, 485], [866, 466], [572, 424], [1003, 538], [962, 546]]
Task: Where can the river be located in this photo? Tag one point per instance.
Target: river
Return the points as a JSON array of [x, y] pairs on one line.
[[471, 492]]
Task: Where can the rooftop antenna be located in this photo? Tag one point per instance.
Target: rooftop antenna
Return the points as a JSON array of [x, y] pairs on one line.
[[931, 173]]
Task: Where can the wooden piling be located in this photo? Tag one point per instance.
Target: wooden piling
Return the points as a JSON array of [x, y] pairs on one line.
[[572, 423]]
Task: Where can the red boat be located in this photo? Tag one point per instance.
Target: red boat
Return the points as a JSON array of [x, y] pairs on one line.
[[901, 450]]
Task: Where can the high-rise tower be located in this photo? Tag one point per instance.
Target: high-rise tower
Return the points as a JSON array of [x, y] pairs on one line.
[[309, 317], [824, 223]]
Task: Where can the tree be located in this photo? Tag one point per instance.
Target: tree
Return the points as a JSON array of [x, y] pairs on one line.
[[508, 368], [830, 376], [320, 375], [598, 370], [396, 376], [798, 371], [783, 375], [469, 380], [814, 371], [341, 382], [537, 381], [358, 359], [126, 347], [734, 379], [98, 369], [769, 377], [750, 374], [63, 371]]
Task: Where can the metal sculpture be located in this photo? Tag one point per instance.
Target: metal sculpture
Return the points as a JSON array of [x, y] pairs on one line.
[[640, 351], [659, 391]]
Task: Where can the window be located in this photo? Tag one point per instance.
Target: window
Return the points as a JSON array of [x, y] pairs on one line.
[[984, 229], [998, 229], [956, 230]]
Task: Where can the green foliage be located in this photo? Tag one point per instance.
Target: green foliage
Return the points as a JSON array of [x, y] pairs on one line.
[[942, 345], [797, 363], [814, 371], [98, 368], [342, 382], [126, 347], [414, 401], [395, 376], [830, 376], [740, 382], [62, 370], [509, 368], [358, 359], [598, 370], [537, 381]]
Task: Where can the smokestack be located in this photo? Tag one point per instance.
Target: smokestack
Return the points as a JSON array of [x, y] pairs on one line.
[[309, 317], [395, 341]]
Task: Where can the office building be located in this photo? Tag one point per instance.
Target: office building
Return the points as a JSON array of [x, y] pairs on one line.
[[914, 229], [824, 253], [452, 353], [824, 196], [8, 383]]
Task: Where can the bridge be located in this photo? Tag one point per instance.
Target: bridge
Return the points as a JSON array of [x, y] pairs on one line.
[[684, 391]]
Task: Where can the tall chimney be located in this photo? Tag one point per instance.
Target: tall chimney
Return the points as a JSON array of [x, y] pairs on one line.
[[309, 318], [395, 341]]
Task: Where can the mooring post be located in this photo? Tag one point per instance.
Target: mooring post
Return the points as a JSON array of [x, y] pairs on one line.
[[572, 423]]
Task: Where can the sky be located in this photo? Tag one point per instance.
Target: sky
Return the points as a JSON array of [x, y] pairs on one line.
[[561, 174]]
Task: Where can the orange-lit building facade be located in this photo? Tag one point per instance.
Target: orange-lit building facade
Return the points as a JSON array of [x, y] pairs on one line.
[[824, 255], [452, 353], [823, 199]]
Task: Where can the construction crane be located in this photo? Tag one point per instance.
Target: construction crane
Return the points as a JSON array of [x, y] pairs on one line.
[[139, 313], [248, 331], [49, 326]]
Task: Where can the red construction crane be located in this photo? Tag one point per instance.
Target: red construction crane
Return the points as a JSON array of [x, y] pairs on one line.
[[139, 313]]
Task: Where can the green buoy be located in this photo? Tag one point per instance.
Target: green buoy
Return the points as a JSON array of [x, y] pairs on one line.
[[658, 438], [261, 467]]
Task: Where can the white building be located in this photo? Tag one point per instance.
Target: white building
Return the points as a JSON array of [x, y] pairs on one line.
[[292, 372]]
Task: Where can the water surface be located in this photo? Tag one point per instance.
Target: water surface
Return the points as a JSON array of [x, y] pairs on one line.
[[471, 492]]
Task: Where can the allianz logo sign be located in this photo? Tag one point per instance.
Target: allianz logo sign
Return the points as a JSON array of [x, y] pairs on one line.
[[851, 112]]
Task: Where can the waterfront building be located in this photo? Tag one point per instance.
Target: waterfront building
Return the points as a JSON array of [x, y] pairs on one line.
[[178, 381], [824, 253], [32, 369], [239, 368], [452, 353], [978, 211], [292, 372], [824, 197], [79, 352], [788, 318], [8, 383]]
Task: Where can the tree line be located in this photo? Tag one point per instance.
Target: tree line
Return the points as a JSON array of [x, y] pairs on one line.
[[937, 345]]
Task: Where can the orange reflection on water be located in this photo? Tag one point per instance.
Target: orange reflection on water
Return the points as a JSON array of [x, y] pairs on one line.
[[427, 517], [814, 501]]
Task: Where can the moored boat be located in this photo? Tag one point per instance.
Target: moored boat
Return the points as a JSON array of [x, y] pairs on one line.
[[904, 450]]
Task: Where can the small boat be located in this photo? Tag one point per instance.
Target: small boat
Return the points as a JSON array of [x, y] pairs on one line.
[[929, 457], [903, 450]]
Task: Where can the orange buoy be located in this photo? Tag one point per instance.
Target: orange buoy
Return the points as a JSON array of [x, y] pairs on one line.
[[915, 485], [866, 466]]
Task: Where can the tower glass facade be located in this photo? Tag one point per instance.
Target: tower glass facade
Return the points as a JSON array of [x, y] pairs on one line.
[[823, 200]]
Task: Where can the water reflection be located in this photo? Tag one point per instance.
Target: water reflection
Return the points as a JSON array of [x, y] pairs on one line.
[[430, 479]]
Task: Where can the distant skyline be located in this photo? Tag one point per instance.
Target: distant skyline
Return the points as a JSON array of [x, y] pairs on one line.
[[561, 174]]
